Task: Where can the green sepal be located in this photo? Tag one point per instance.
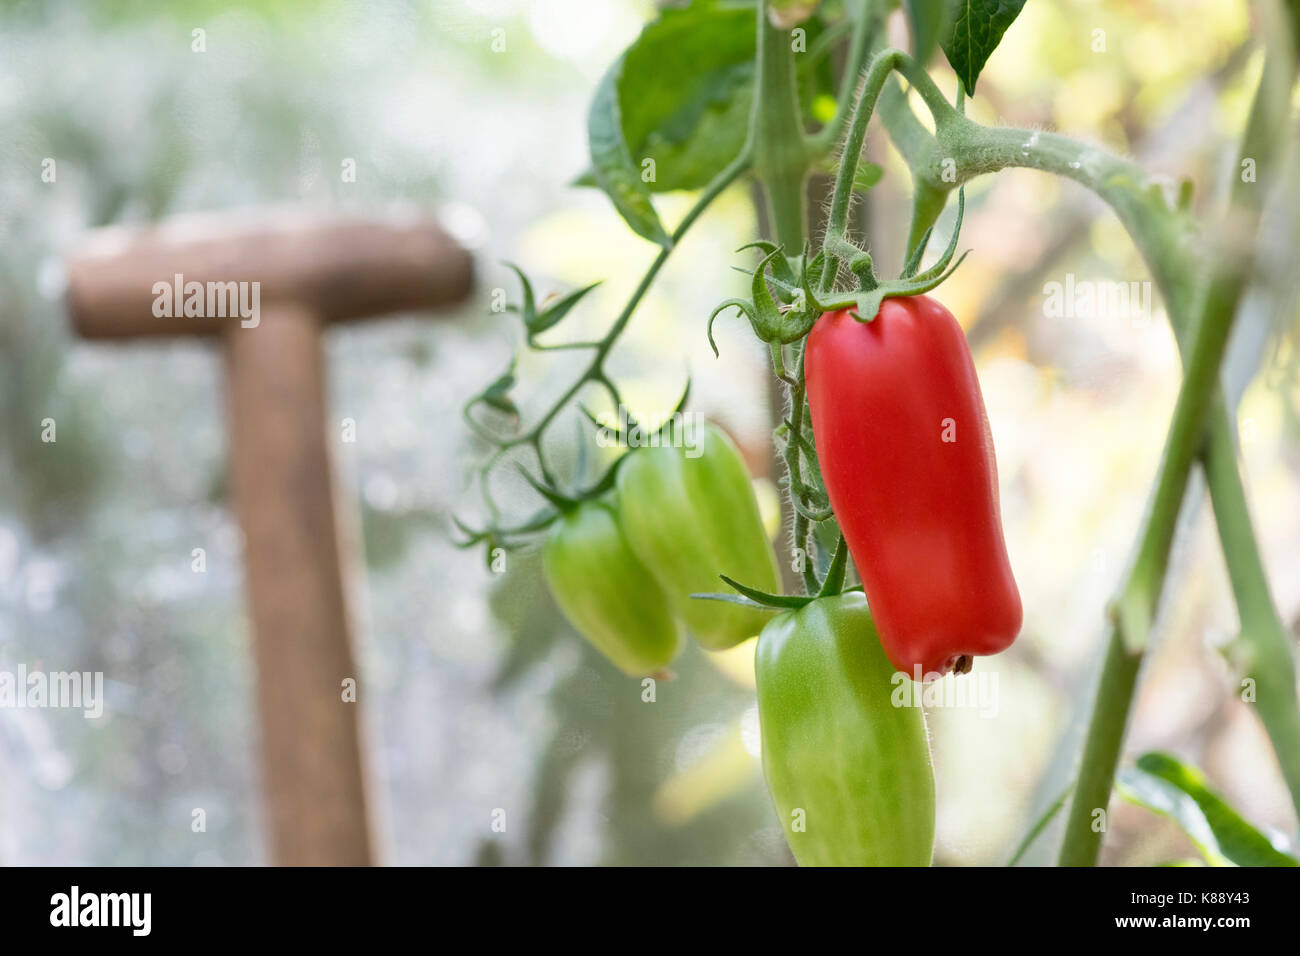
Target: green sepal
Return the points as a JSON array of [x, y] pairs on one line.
[[556, 311], [944, 259], [833, 583], [496, 537], [867, 304], [811, 281], [914, 260], [560, 501], [766, 319], [732, 599], [764, 599], [742, 305], [780, 266]]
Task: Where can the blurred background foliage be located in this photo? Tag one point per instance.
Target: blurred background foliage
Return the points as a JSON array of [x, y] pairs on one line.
[[476, 694]]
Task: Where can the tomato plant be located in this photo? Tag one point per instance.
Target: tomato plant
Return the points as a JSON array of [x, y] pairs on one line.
[[884, 441]]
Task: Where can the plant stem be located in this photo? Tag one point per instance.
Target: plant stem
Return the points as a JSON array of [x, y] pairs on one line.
[[594, 370], [1133, 612], [864, 33], [837, 223], [1163, 235], [782, 160], [781, 155], [1135, 608], [1264, 642]]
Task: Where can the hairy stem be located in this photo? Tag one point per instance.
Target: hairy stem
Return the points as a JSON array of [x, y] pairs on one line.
[[781, 155]]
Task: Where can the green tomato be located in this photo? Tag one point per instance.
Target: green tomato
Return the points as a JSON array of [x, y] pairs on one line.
[[606, 593], [690, 515], [849, 772]]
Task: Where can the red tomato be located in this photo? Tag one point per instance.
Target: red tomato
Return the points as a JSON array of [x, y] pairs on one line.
[[907, 458]]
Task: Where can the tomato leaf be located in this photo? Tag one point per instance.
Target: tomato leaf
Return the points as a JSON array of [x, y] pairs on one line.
[[551, 316], [1173, 789], [612, 163], [976, 30], [497, 395], [674, 109]]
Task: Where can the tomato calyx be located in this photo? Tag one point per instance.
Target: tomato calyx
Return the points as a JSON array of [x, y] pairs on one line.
[[776, 320], [752, 597], [832, 585], [865, 302], [785, 303]]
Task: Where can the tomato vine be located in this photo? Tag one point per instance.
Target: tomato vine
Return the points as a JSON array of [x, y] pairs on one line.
[[1202, 285]]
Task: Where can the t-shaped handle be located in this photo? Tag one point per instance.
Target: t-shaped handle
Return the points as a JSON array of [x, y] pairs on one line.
[[338, 267], [310, 269]]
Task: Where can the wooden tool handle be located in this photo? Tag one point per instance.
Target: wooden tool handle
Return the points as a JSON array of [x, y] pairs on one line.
[[311, 751]]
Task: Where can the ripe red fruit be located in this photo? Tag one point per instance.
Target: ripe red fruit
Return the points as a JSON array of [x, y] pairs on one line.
[[907, 458]]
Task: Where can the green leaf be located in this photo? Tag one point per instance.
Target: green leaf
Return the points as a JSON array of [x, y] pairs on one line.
[[684, 89], [550, 316], [612, 163], [1171, 788], [930, 19], [681, 94], [976, 31], [527, 311], [497, 395]]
